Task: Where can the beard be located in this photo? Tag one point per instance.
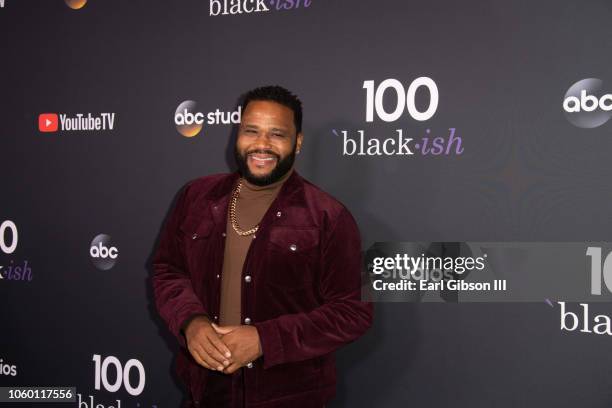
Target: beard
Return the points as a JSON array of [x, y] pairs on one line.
[[283, 165]]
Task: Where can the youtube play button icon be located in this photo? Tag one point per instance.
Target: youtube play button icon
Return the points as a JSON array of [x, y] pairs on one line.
[[47, 122]]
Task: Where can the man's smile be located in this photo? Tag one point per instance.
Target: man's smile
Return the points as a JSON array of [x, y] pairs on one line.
[[261, 160]]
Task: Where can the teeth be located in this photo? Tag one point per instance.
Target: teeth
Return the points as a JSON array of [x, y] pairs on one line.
[[262, 158]]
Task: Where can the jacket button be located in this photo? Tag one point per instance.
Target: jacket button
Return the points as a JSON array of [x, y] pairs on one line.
[[293, 247], [223, 234], [278, 214], [194, 236], [247, 278], [218, 276], [247, 320], [216, 317], [250, 365]]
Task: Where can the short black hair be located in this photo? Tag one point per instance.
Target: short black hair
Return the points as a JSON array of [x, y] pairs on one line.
[[276, 94]]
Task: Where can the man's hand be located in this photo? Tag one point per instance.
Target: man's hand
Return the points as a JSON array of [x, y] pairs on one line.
[[206, 346], [243, 342]]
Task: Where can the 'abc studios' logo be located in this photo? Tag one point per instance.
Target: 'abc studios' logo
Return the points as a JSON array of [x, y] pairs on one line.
[[189, 120], [586, 105], [103, 254]]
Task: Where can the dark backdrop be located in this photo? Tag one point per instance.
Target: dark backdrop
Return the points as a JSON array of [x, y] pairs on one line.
[[526, 174]]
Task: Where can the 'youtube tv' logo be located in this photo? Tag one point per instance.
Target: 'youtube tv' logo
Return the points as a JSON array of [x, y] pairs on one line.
[[54, 122], [48, 122]]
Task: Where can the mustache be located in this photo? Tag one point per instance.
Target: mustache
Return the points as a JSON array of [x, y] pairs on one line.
[[262, 151]]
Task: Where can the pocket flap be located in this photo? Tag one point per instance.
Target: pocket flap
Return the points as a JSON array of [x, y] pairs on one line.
[[196, 228], [295, 240]]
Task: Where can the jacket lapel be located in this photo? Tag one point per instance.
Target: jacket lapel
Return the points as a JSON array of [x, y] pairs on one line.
[[290, 202]]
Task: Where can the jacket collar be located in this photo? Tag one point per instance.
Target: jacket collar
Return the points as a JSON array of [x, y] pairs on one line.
[[291, 194]]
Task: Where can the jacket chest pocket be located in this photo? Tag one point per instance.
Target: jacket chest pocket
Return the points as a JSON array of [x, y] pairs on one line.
[[196, 234], [194, 228], [293, 255]]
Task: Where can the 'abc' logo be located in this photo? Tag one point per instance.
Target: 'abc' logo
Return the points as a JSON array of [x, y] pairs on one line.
[[187, 119], [103, 254], [586, 105]]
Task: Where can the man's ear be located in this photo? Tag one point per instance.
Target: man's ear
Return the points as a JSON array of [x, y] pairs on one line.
[[298, 140]]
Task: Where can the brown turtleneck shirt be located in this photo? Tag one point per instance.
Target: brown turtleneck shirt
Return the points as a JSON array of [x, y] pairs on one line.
[[251, 205]]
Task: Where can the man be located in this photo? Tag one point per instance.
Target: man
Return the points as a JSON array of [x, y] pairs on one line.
[[257, 272]]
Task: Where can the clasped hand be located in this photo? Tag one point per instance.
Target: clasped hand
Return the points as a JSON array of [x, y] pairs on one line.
[[222, 348]]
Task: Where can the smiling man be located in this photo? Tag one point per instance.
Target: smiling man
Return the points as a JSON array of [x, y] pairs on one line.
[[257, 272]]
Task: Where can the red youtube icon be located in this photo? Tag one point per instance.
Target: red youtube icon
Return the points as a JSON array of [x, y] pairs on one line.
[[47, 122]]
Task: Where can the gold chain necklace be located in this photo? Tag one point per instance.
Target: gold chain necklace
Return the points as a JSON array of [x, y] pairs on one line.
[[232, 213]]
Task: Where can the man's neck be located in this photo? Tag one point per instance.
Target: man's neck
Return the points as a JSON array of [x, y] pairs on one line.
[[271, 186]]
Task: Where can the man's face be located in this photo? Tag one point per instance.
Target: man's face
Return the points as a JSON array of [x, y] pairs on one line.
[[267, 142]]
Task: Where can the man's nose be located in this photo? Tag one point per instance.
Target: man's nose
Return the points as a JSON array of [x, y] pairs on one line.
[[263, 141]]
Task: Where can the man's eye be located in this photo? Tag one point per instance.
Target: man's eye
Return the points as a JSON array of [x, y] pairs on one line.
[[278, 134], [249, 131]]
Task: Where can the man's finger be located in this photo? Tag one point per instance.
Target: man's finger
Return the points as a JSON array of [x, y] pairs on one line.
[[220, 346], [232, 368], [203, 364], [214, 353], [198, 357], [209, 353], [213, 363], [207, 358], [224, 329]]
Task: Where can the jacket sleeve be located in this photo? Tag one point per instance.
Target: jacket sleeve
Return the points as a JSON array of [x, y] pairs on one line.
[[174, 295], [339, 320]]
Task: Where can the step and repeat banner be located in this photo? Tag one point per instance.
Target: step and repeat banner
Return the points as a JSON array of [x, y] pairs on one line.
[[471, 141]]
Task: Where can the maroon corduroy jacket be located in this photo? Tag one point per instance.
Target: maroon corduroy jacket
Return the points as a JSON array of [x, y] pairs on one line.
[[303, 294]]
